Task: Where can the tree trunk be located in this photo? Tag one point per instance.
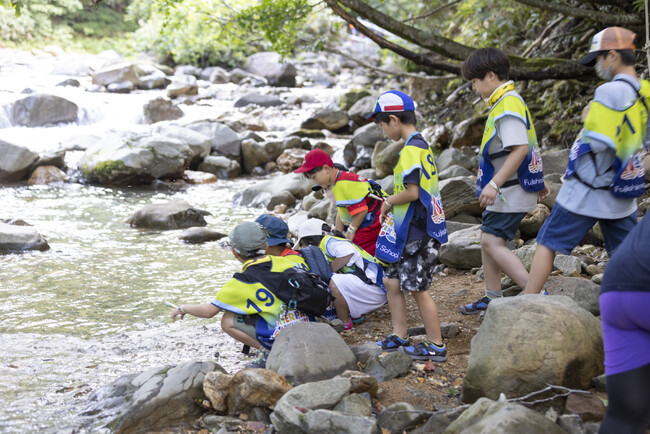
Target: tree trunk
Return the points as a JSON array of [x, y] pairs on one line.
[[598, 16]]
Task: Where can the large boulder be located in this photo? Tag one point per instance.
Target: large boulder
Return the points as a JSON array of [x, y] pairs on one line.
[[175, 214], [200, 144], [153, 400], [387, 367], [259, 194], [41, 109], [368, 136], [459, 195], [15, 162], [118, 73], [161, 109], [19, 238], [224, 140], [132, 159], [516, 350], [270, 66], [468, 132], [463, 249], [487, 416], [221, 167], [43, 175], [252, 155], [326, 119], [296, 358], [250, 388]]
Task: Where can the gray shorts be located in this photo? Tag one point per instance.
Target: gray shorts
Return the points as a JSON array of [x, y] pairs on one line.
[[246, 324], [415, 268]]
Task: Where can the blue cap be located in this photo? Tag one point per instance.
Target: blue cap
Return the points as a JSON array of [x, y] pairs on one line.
[[276, 229], [392, 101]]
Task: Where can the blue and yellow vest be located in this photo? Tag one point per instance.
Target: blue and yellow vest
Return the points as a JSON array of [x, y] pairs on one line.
[[368, 262], [351, 189], [625, 132], [506, 102]]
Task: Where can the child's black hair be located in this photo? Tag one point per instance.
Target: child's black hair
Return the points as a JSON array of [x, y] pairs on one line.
[[312, 171], [314, 240], [484, 60], [407, 117], [628, 58]]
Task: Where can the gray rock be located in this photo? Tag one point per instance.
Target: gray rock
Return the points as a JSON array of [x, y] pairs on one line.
[[348, 99], [571, 423], [454, 226], [363, 158], [199, 144], [252, 155], [120, 87], [41, 109], [570, 266], [134, 159], [387, 183], [182, 85], [368, 135], [400, 417], [600, 383], [549, 201], [361, 109], [583, 291], [366, 351], [157, 80], [312, 199], [270, 66], [367, 173], [224, 140], [214, 72], [294, 356], [326, 422], [281, 198], [290, 160], [526, 254], [155, 399], [188, 70], [294, 183], [438, 422], [72, 82], [161, 109], [19, 238], [175, 214], [569, 355], [597, 278], [487, 416], [196, 235], [354, 405], [326, 119], [390, 366], [44, 175], [555, 162], [361, 383], [322, 210], [118, 73], [15, 162], [221, 167], [463, 249], [250, 388], [56, 159], [532, 223], [385, 156], [289, 413], [459, 195], [222, 424], [465, 217], [454, 157], [468, 132], [258, 99], [453, 172]]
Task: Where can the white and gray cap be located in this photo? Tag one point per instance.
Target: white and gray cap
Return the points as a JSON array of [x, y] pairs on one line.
[[248, 237]]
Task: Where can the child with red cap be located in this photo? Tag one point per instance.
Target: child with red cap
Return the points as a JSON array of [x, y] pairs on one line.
[[358, 199]]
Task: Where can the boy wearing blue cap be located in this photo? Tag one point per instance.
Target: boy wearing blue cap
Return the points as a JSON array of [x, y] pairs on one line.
[[417, 231], [277, 237]]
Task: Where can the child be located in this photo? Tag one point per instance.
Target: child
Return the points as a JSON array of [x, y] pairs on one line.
[[357, 280], [419, 226], [509, 174], [358, 199], [277, 239], [605, 173], [247, 303]]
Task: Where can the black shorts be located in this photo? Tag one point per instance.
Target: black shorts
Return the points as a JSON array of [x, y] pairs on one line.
[[415, 268]]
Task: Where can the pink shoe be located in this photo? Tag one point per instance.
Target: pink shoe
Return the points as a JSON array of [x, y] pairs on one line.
[[348, 326]]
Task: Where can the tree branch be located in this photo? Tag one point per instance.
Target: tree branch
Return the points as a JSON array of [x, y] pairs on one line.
[[541, 37], [602, 17], [434, 11]]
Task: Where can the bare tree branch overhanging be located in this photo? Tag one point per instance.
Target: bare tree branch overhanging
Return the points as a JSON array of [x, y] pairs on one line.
[[601, 17]]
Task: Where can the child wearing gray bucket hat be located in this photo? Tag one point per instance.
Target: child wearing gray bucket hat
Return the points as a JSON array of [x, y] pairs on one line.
[[248, 240]]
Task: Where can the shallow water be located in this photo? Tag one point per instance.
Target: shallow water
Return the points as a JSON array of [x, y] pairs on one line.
[[91, 309]]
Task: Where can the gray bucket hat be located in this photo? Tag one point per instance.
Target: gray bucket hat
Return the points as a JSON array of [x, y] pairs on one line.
[[248, 237]]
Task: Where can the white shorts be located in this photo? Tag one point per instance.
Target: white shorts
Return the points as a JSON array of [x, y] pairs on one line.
[[361, 297]]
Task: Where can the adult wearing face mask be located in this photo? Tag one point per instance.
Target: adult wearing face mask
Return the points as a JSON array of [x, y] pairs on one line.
[[605, 173]]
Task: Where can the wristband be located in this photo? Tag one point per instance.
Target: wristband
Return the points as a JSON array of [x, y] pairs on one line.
[[181, 309], [352, 228], [390, 205], [494, 185]]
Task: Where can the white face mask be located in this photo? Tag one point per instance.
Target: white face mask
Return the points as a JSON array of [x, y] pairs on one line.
[[602, 73]]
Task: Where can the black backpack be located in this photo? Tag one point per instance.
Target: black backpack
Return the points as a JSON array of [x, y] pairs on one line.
[[317, 262], [299, 289]]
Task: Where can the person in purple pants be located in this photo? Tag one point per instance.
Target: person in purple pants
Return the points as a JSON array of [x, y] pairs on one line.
[[624, 307]]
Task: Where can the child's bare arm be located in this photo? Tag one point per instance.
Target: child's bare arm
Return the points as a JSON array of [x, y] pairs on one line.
[[339, 263], [357, 220], [205, 310], [410, 194], [510, 166]]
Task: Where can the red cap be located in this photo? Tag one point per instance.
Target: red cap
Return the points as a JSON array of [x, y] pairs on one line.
[[315, 158]]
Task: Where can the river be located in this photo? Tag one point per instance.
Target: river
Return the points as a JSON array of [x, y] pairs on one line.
[[91, 309]]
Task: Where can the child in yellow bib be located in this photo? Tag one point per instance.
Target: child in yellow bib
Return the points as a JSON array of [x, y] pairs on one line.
[[510, 177], [605, 170]]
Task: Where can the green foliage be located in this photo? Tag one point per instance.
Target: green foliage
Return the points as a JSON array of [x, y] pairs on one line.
[[100, 21], [33, 19]]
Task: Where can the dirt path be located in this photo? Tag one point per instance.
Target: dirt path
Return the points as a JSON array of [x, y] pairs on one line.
[[440, 387]]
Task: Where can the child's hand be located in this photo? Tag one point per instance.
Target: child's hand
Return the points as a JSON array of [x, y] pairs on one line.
[[543, 194], [175, 313], [349, 235], [487, 197], [384, 212]]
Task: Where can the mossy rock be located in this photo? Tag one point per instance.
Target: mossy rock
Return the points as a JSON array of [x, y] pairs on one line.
[[348, 99], [310, 134]]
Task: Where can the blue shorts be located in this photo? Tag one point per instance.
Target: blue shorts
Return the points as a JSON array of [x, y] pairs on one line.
[[563, 230], [502, 224]]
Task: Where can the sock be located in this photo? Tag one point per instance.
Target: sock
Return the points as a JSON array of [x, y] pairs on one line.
[[494, 294]]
